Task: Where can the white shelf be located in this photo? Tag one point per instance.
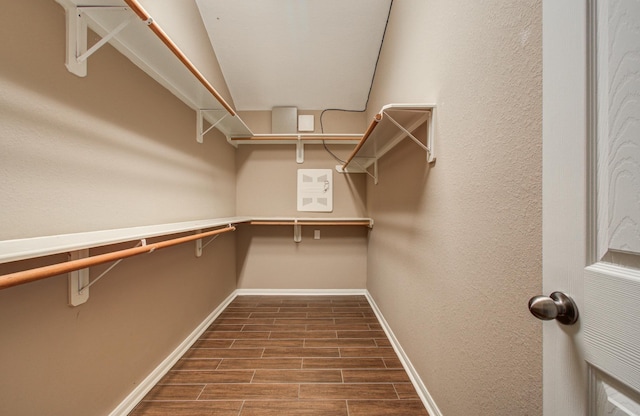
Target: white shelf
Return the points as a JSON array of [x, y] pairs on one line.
[[142, 47], [306, 138], [26, 248], [21, 249], [394, 123], [312, 221]]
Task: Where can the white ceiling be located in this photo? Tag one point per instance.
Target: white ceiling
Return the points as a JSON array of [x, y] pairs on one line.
[[310, 54]]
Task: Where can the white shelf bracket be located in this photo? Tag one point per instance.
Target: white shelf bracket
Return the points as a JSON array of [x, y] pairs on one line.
[[200, 122], [360, 169], [429, 146], [299, 151], [297, 232], [78, 279], [200, 247], [77, 52], [79, 283]]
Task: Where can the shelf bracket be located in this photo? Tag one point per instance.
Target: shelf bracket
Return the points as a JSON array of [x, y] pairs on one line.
[[429, 146], [78, 279], [77, 52], [200, 122], [360, 169], [79, 283], [200, 247], [299, 150], [297, 231]]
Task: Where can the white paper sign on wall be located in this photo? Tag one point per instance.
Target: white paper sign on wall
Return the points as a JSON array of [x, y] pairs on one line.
[[315, 190]]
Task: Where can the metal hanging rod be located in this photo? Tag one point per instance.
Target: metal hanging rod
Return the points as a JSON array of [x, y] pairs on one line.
[[32, 275]]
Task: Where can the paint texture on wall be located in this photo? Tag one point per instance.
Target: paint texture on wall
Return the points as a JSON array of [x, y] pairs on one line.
[[111, 150], [456, 250]]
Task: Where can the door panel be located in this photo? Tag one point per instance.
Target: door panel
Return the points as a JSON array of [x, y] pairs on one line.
[[591, 204], [614, 399], [611, 315]]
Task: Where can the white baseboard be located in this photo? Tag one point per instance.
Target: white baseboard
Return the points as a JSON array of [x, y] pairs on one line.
[[299, 292], [147, 384], [127, 405], [426, 398]]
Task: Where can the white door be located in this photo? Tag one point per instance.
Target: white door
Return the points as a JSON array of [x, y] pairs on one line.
[[591, 204]]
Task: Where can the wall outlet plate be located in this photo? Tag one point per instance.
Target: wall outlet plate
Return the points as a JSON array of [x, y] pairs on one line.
[[315, 190]]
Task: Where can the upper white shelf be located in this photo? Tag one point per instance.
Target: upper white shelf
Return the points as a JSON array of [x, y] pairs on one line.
[[25, 248], [143, 46], [394, 123]]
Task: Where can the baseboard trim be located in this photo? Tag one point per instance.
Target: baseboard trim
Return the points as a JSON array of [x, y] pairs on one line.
[[298, 292], [127, 405], [421, 389]]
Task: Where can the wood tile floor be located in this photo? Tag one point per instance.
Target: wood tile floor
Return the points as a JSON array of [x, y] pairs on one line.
[[288, 355]]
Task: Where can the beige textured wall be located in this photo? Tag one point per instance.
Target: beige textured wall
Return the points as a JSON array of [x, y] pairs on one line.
[[266, 176], [110, 150], [456, 250]]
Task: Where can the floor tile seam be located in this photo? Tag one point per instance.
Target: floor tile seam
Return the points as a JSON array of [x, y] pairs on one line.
[[201, 391]]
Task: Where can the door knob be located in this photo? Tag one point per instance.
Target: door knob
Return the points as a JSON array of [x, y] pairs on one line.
[[556, 306]]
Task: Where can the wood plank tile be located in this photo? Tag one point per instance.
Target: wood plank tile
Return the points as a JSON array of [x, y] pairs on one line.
[[383, 352], [361, 334], [297, 376], [223, 353], [234, 335], [188, 408], [383, 342], [392, 362], [336, 327], [343, 363], [386, 408], [238, 308], [242, 321], [335, 315], [337, 343], [206, 377], [278, 315], [171, 392], [281, 363], [375, 376], [292, 327], [212, 343], [301, 352], [306, 309], [249, 391], [304, 321], [268, 343], [302, 334], [196, 364], [406, 391], [227, 315], [358, 320], [295, 408], [347, 391], [288, 355], [224, 327]]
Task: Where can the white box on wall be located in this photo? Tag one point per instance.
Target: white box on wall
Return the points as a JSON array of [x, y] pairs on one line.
[[306, 122], [315, 190]]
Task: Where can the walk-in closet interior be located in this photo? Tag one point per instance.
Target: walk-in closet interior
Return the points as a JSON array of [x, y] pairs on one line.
[[172, 168]]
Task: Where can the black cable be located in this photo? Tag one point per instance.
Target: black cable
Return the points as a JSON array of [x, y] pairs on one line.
[[366, 104], [375, 68]]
